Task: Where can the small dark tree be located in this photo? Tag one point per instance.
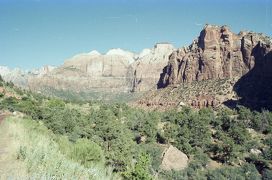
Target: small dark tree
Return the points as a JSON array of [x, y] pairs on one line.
[[245, 116], [262, 122], [267, 174]]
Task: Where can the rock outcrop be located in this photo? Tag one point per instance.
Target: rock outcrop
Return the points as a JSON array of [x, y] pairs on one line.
[[203, 102]]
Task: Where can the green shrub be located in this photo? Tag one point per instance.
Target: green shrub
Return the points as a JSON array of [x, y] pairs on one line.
[[87, 153], [141, 169], [155, 152], [247, 171], [262, 122]]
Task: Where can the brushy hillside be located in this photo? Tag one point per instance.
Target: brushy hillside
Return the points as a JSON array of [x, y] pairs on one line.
[[224, 144], [44, 155]]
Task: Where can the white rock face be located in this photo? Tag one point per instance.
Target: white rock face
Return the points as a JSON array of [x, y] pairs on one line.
[[94, 65], [91, 71], [149, 66], [162, 48]]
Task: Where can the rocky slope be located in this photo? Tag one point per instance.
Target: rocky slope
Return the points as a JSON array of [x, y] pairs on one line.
[[217, 54]]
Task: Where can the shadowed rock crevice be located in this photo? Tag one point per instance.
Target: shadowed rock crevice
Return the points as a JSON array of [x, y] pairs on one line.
[[255, 88], [162, 83]]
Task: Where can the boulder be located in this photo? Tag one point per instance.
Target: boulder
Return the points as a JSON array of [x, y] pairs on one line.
[[174, 159], [255, 151], [182, 103]]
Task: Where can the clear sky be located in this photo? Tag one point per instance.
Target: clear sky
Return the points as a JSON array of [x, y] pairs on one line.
[[40, 32]]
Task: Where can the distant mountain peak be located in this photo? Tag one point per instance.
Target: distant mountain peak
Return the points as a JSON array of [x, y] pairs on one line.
[[94, 53], [119, 51]]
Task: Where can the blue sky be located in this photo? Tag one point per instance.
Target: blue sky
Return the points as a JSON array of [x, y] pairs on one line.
[[40, 32]]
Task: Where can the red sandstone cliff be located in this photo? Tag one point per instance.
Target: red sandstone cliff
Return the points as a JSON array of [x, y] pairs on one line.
[[218, 53]]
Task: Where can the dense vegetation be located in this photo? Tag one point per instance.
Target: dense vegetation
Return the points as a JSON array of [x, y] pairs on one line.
[[93, 95], [131, 140]]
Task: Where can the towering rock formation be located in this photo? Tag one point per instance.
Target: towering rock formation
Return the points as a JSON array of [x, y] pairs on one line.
[[218, 53], [215, 61]]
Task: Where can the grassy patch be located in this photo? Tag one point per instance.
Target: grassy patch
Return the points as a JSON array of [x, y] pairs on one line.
[[42, 155]]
